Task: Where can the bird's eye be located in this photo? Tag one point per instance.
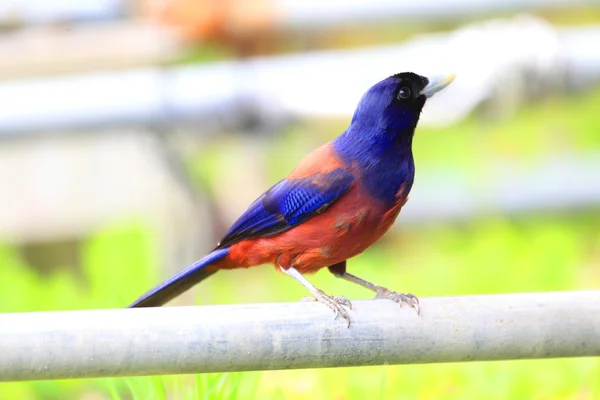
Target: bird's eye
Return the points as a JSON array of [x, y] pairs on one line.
[[403, 93]]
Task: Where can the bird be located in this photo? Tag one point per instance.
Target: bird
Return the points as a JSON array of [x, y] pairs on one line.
[[337, 202]]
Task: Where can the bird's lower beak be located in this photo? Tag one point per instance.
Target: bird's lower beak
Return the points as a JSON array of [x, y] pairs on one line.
[[437, 83]]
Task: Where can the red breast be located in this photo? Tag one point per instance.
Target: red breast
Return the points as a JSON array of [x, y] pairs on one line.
[[347, 228]]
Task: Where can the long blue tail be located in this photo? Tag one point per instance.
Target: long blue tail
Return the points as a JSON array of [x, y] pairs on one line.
[[181, 282]]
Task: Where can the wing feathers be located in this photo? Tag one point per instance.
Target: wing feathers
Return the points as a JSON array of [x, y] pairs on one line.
[[288, 203]]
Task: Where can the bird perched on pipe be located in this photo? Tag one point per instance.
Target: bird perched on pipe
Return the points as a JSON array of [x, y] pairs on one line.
[[338, 201]]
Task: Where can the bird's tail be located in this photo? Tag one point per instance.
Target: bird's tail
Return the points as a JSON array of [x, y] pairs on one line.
[[181, 282]]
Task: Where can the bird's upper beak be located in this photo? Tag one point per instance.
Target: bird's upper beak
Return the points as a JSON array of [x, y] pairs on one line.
[[437, 83]]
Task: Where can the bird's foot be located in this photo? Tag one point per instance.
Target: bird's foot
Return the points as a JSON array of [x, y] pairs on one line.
[[336, 303], [408, 298]]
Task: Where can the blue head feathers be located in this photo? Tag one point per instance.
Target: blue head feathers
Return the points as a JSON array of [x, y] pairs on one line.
[[392, 105], [379, 138]]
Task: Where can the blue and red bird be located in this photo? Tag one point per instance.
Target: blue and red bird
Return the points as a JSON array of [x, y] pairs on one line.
[[336, 203]]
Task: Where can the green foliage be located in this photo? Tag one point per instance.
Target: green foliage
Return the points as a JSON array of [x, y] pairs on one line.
[[117, 264]]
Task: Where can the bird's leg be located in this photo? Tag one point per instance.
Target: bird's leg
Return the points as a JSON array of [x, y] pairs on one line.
[[339, 270], [335, 303]]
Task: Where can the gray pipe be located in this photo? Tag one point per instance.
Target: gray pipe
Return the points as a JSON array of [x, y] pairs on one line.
[[176, 340], [326, 83]]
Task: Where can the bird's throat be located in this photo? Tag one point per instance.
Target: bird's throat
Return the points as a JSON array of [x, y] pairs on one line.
[[382, 166]]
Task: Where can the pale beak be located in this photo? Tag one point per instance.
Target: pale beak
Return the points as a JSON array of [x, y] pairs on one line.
[[437, 83]]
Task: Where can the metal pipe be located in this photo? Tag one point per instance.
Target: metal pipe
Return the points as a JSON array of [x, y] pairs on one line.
[[178, 340], [312, 14], [323, 83]]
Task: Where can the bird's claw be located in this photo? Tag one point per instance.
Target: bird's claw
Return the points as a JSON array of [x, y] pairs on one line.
[[336, 303], [400, 298]]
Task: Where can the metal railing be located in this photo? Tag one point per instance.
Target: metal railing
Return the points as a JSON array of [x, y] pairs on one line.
[[177, 340]]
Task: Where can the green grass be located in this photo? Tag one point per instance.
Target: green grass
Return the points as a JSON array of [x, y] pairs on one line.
[[198, 387]]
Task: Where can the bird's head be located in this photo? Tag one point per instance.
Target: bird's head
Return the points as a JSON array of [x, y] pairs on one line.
[[394, 105]]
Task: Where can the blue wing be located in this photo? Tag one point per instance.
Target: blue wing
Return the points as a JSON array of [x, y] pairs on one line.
[[287, 204]]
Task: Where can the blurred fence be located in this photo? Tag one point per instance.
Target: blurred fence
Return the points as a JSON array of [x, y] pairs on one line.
[[298, 14], [557, 184], [311, 14], [524, 54]]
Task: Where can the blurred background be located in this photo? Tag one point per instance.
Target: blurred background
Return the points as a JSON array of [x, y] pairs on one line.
[[133, 132]]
